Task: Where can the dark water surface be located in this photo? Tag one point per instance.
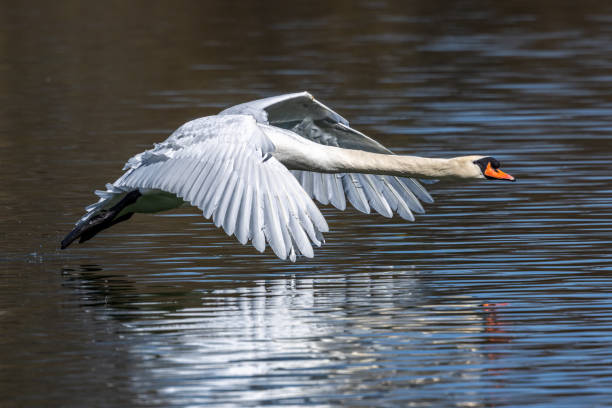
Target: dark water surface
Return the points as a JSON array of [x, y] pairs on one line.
[[501, 295]]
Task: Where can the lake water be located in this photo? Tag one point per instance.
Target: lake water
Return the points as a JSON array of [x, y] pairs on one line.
[[499, 296]]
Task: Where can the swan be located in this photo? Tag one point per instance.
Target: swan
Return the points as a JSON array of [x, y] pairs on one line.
[[255, 168]]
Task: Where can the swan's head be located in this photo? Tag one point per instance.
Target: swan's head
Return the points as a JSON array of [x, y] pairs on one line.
[[488, 167]]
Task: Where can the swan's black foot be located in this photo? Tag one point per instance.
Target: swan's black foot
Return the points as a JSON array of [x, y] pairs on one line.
[[101, 221]]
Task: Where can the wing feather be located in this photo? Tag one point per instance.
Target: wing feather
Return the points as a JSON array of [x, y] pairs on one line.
[[407, 195], [173, 168], [205, 192], [393, 196], [213, 195], [224, 200], [320, 188], [156, 175], [273, 230], [355, 194], [233, 208], [232, 188], [373, 193], [283, 217], [194, 170], [257, 229], [418, 189], [337, 198], [305, 116], [235, 181], [308, 182], [191, 192], [243, 218], [305, 219], [297, 232]]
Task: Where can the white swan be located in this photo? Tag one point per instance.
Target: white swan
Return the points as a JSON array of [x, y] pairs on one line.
[[237, 168]]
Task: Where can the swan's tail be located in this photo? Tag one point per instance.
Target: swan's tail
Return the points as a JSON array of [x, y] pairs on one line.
[[98, 218]]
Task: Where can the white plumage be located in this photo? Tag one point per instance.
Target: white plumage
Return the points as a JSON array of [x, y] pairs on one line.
[[234, 166]]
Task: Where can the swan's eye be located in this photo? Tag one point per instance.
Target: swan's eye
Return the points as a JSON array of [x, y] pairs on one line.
[[485, 161]]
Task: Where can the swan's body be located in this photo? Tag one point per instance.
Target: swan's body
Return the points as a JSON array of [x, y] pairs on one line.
[[235, 167]]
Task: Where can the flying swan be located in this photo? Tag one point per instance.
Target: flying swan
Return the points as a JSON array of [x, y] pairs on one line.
[[255, 168]]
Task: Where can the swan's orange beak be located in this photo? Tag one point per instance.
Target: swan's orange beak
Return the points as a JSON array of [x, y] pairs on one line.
[[497, 174]]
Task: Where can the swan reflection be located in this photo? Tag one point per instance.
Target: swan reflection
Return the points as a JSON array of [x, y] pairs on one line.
[[302, 339]]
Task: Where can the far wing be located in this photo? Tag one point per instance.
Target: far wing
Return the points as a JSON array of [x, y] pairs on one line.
[[307, 117], [235, 181], [285, 108], [287, 111]]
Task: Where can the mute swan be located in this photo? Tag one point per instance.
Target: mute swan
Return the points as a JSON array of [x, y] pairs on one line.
[[255, 168]]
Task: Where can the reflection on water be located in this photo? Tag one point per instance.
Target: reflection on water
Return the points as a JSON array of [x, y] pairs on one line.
[[498, 296], [319, 338]]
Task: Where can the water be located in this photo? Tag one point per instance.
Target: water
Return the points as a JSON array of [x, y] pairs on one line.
[[498, 296]]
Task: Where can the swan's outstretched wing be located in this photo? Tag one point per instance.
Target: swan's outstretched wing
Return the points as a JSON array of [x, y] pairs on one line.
[[223, 166], [286, 108], [307, 117]]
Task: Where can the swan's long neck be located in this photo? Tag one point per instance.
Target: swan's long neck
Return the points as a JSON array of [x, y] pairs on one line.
[[357, 161], [301, 154]]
